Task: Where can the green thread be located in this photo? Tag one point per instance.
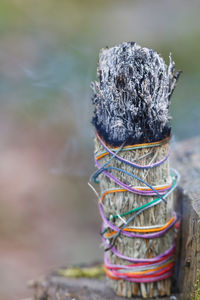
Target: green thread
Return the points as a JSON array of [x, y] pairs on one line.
[[134, 147], [135, 209], [140, 207]]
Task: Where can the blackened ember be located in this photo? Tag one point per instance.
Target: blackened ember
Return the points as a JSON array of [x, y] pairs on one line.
[[132, 93]]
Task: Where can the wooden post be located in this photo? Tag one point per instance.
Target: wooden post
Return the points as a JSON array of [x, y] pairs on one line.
[[186, 158], [131, 99]]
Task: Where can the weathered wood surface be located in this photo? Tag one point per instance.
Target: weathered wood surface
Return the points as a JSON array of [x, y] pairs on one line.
[[60, 288], [185, 157]]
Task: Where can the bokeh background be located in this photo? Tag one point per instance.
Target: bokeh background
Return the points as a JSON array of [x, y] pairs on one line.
[[48, 57]]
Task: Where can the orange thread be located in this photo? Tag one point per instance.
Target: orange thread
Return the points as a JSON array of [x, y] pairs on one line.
[[136, 146], [139, 188], [147, 271], [143, 230]]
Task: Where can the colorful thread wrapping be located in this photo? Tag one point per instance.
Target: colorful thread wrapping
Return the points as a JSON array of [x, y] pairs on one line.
[[135, 235], [159, 269], [143, 269], [133, 210], [109, 151]]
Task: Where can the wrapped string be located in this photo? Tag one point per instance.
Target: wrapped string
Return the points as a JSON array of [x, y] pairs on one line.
[[143, 270], [126, 232], [109, 151], [112, 217]]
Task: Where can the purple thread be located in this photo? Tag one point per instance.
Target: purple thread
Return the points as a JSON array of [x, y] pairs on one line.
[[131, 163], [131, 234], [139, 260], [112, 266], [160, 277], [127, 187], [116, 273]]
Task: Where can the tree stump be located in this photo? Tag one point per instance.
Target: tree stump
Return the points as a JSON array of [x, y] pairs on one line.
[[60, 285]]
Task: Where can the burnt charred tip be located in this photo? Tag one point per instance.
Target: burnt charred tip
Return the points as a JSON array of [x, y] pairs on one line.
[[132, 94]]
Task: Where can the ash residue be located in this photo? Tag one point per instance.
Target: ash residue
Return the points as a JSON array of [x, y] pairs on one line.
[[132, 95]]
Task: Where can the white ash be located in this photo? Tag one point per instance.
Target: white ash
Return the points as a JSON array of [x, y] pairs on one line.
[[132, 94]]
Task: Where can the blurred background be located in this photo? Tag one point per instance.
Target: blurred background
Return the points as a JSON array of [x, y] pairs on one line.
[[48, 57]]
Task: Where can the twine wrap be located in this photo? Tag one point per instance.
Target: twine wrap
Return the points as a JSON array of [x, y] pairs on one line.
[[141, 270]]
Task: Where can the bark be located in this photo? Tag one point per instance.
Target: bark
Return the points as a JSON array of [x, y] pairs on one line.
[[186, 158], [56, 287]]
